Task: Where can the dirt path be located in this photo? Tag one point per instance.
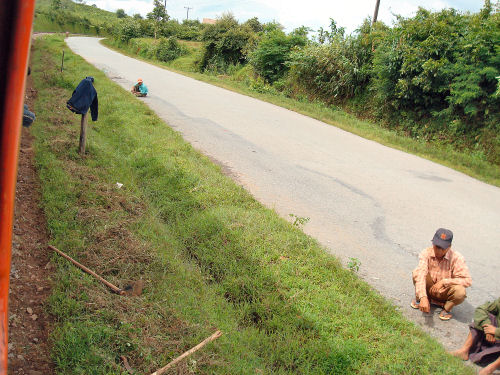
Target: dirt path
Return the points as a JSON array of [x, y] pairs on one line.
[[29, 322]]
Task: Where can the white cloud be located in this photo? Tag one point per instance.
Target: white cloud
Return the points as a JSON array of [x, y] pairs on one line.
[[291, 13]]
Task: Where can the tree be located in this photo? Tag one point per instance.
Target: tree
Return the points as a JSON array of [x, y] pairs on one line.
[[120, 13], [254, 24], [56, 4], [158, 14], [137, 16]]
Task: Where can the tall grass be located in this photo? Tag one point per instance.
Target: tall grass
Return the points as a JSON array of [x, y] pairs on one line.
[[210, 255]]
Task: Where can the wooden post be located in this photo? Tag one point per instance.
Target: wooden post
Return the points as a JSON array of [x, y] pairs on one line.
[[83, 134], [375, 14], [62, 62]]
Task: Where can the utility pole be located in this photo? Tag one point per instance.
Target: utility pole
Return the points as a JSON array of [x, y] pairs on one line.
[[375, 14], [187, 12]]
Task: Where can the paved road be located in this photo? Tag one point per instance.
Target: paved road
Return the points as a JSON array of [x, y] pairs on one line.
[[364, 200]]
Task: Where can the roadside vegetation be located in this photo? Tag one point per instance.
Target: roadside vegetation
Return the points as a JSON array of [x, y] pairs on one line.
[[210, 256], [428, 85]]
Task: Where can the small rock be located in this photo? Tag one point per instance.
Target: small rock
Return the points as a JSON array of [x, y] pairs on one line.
[[34, 317], [35, 339], [29, 310], [39, 289], [20, 357]]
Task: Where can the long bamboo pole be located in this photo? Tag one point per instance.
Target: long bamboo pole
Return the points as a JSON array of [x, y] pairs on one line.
[[89, 271], [189, 352]]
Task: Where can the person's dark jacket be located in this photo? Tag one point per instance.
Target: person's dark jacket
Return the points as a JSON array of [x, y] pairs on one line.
[[84, 97]]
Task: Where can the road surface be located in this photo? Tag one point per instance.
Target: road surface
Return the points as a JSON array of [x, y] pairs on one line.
[[364, 200]]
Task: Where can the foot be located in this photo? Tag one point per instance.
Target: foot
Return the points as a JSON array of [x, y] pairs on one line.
[[462, 354], [414, 303], [445, 315], [488, 369]]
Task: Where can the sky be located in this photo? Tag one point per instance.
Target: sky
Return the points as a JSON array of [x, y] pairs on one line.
[[292, 13]]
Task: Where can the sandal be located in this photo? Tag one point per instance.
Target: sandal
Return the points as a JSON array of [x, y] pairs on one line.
[[415, 304], [445, 315]]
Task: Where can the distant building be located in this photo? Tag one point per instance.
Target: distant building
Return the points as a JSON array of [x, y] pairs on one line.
[[210, 21]]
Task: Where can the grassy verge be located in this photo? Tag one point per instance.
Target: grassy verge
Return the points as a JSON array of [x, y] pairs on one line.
[[211, 257], [468, 162]]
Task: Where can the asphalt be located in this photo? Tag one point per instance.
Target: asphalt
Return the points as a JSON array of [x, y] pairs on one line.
[[364, 200]]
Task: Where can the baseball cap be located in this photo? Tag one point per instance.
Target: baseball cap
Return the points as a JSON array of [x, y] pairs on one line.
[[443, 238]]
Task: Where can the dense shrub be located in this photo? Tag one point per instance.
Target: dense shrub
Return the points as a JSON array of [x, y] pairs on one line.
[[272, 52], [339, 69], [169, 49], [190, 30], [224, 44], [128, 29], [441, 64], [144, 47]]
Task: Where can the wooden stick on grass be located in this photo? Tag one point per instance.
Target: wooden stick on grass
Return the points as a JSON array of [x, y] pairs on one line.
[[90, 272], [189, 352], [126, 364]]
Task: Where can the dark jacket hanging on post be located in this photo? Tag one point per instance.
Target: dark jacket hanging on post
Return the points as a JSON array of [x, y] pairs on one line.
[[84, 97]]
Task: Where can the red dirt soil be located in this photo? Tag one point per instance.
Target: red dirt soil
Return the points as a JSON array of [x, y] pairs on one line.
[[29, 321]]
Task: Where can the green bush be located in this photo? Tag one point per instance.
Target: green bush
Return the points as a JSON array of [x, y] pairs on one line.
[[224, 44], [128, 29], [272, 52], [442, 65], [144, 47], [190, 30], [338, 70], [169, 49]]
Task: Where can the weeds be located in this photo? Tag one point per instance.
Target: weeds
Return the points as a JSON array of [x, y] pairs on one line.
[[299, 221], [353, 264]]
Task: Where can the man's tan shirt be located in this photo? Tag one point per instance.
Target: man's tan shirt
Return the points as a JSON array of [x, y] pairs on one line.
[[452, 269]]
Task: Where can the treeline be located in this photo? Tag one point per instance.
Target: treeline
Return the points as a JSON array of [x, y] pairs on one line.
[[432, 76]]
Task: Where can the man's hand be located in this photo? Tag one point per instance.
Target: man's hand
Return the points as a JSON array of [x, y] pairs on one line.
[[489, 329], [490, 338], [424, 305], [438, 287]]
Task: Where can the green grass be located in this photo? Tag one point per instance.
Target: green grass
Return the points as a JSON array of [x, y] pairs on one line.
[[210, 255], [468, 162], [73, 17]]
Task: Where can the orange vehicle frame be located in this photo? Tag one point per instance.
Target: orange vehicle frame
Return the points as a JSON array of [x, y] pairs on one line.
[[18, 39]]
